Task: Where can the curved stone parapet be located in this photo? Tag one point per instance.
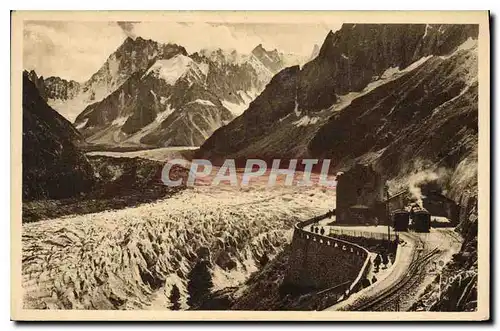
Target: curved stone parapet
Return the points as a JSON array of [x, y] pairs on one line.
[[320, 262]]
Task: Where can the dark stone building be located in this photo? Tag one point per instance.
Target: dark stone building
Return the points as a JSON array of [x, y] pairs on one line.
[[360, 197], [439, 205]]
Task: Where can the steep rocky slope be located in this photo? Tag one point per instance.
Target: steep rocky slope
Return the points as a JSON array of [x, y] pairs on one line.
[[53, 166], [38, 81], [426, 118], [257, 122], [356, 54]]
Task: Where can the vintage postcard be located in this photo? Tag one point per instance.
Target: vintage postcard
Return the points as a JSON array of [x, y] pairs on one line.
[[315, 166]]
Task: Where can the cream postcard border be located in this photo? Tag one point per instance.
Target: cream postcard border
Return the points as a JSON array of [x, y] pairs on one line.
[[296, 17]]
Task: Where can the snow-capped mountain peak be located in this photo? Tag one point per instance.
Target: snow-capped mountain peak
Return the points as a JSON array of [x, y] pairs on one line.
[[149, 93]]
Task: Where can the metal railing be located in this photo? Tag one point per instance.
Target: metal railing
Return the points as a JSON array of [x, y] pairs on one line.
[[358, 233]]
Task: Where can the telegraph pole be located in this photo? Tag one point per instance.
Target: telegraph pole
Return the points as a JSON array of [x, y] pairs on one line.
[[388, 215]]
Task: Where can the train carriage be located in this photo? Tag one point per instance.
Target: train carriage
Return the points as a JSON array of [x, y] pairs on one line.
[[400, 220], [420, 220]]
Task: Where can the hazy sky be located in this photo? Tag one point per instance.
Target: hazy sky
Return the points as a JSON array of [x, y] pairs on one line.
[[75, 50]]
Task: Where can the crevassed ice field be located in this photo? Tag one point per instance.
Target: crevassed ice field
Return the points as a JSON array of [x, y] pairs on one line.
[[130, 258]]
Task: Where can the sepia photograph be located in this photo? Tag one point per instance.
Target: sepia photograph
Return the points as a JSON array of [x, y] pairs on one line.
[[250, 165]]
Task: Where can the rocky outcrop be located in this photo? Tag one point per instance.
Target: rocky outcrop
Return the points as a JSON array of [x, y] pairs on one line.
[[270, 59], [455, 288], [54, 88], [61, 89], [39, 83], [53, 166], [232, 77]]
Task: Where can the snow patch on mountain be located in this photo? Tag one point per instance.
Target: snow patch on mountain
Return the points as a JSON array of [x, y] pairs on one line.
[[202, 102], [160, 117], [163, 100], [306, 120], [235, 108], [238, 108], [417, 63], [389, 72], [120, 120], [164, 114], [466, 45], [387, 76], [392, 73], [296, 109], [177, 67], [154, 94], [82, 124], [248, 96], [427, 26]]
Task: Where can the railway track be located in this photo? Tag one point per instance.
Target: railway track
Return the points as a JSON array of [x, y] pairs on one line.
[[391, 295]]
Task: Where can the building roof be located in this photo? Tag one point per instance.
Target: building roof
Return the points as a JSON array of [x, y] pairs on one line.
[[434, 195], [397, 194]]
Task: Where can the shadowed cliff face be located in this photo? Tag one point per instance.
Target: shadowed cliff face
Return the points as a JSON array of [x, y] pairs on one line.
[[356, 54], [428, 114], [53, 167]]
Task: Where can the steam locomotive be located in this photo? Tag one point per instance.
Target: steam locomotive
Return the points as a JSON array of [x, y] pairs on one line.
[[420, 219], [417, 219]]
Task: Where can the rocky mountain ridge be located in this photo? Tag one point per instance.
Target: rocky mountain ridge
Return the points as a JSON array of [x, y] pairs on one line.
[[53, 166], [178, 101], [227, 83]]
